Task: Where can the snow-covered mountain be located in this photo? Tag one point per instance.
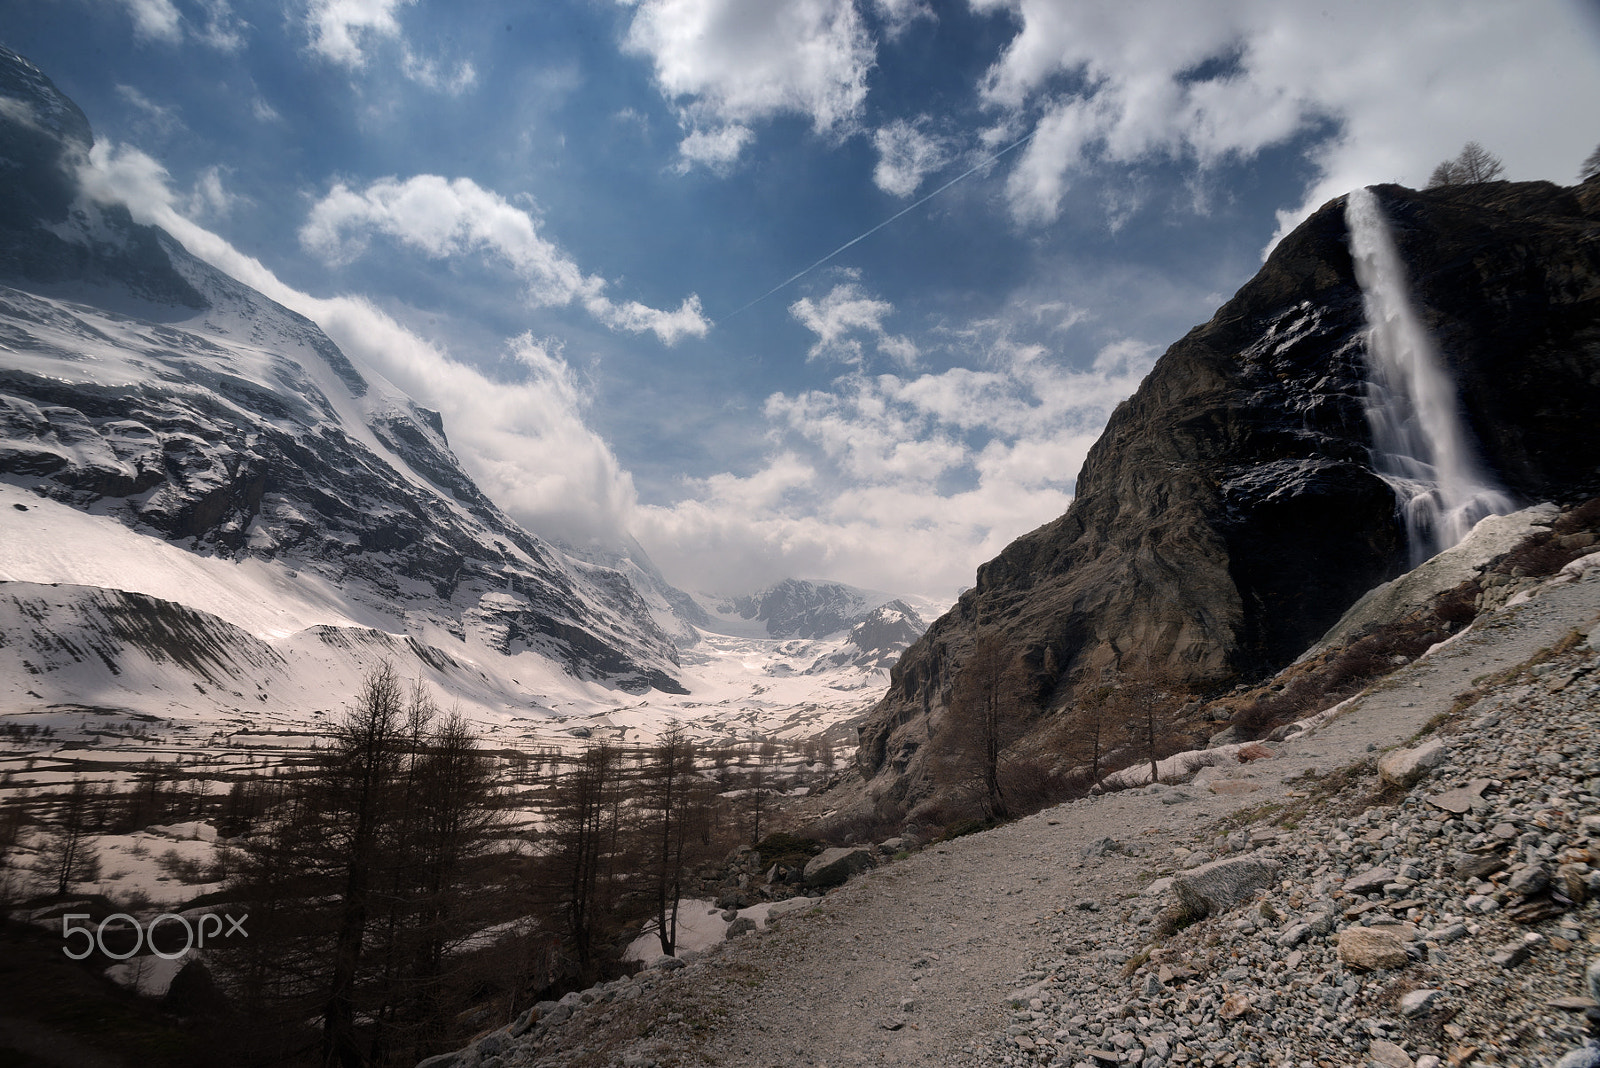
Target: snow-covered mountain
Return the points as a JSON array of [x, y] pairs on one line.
[[208, 512], [266, 481]]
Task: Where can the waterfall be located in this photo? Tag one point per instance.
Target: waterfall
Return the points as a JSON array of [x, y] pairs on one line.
[[1420, 443]]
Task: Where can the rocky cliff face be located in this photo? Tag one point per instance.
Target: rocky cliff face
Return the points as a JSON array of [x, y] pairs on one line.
[[141, 384], [1229, 513]]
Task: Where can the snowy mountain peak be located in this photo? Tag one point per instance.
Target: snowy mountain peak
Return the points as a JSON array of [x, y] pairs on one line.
[[158, 412], [798, 608]]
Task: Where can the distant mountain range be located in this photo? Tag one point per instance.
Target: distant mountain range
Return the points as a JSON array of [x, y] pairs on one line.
[[210, 511]]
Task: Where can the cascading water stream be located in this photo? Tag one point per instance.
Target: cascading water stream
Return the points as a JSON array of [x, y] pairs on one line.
[[1420, 444]]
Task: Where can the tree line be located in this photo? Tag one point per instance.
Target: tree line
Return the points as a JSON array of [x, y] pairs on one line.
[[389, 893], [997, 754], [402, 883]]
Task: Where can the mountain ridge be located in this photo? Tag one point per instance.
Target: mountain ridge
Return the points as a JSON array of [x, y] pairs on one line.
[[143, 385]]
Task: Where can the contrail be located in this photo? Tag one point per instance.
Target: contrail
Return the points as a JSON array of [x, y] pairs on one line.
[[863, 236]]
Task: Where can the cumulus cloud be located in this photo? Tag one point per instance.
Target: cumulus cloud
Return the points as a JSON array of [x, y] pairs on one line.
[[444, 218], [716, 149], [901, 482], [726, 64], [345, 32], [1402, 84], [155, 20], [906, 155], [839, 319]]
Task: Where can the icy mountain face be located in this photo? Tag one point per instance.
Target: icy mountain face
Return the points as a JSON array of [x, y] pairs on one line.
[[140, 385], [677, 613], [796, 608]]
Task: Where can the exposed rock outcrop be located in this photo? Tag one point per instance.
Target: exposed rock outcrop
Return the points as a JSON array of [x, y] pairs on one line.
[[1229, 513]]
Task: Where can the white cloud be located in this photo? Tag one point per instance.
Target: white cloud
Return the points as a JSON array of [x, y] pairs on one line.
[[847, 311], [1406, 85], [345, 32], [727, 64], [223, 30], [341, 29], [900, 483], [160, 20], [163, 120], [209, 199], [521, 436], [429, 74], [452, 218], [906, 155], [716, 149], [897, 15], [155, 20]]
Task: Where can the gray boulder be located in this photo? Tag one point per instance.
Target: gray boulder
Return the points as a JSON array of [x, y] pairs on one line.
[[1407, 767], [1369, 880], [742, 926], [1100, 847], [443, 1060], [1371, 948], [831, 867], [1220, 885]]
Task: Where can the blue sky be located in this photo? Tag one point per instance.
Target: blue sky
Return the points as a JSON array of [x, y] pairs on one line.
[[560, 223]]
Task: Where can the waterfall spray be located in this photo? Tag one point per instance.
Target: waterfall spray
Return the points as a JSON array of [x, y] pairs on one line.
[[1420, 444]]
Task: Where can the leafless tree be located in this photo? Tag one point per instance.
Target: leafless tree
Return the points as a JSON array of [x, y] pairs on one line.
[[984, 716], [1089, 731], [1591, 166], [755, 800], [581, 846], [357, 885], [1474, 164], [1146, 701], [666, 794], [359, 779], [66, 856]]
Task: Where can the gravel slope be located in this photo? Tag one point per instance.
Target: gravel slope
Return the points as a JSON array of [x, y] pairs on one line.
[[920, 962]]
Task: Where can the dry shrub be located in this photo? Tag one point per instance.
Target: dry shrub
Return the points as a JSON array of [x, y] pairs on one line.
[[1336, 675], [1585, 516], [1033, 783], [1537, 556], [1458, 606], [787, 850], [946, 810], [861, 826]]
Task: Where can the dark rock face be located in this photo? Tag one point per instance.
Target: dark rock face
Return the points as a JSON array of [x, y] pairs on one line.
[[140, 382], [1229, 514]]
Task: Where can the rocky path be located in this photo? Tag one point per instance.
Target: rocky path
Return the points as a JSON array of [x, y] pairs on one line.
[[1027, 944]]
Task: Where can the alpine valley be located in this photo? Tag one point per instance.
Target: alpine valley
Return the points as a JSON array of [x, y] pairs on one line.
[[209, 514]]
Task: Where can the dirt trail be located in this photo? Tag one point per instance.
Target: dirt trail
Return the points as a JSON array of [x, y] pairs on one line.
[[953, 927]]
